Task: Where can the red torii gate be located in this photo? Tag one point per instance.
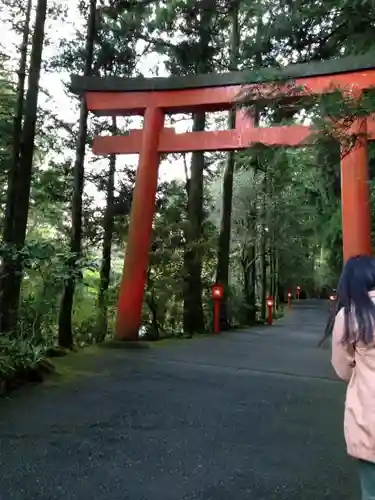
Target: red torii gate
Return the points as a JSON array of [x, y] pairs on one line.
[[154, 98]]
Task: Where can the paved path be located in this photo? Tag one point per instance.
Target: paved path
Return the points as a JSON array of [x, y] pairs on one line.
[[253, 415]]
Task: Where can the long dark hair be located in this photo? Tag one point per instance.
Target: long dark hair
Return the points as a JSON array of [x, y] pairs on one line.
[[356, 281]]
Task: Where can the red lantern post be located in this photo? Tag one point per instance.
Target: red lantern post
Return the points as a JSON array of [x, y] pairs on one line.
[[217, 293], [298, 291], [270, 308], [289, 300]]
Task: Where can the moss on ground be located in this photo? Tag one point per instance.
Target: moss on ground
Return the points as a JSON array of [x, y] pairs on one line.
[[75, 365]]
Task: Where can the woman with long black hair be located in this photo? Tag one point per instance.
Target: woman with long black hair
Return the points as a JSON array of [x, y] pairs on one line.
[[353, 358]]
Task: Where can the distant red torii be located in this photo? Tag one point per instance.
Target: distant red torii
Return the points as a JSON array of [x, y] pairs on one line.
[[154, 98]]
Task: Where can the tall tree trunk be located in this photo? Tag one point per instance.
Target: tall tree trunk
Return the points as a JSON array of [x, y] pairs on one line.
[[272, 275], [252, 306], [257, 166], [18, 207], [65, 316], [276, 276], [251, 296], [17, 130], [222, 271], [263, 249], [193, 317], [105, 269], [193, 310], [249, 285], [272, 247]]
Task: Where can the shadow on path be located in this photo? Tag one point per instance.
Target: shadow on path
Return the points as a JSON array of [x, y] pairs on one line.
[[253, 415]]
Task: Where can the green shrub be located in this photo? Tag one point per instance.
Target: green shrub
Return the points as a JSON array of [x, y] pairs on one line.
[[18, 356]]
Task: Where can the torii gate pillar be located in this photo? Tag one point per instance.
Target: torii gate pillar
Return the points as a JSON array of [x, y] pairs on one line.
[[134, 274], [355, 194]]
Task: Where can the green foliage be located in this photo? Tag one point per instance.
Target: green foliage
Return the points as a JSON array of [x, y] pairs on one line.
[[291, 217], [17, 356], [163, 308], [46, 265]]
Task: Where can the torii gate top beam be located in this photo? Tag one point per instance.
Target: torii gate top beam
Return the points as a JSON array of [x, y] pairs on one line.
[[115, 96], [351, 64]]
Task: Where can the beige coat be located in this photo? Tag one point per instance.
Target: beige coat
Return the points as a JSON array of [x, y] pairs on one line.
[[356, 365]]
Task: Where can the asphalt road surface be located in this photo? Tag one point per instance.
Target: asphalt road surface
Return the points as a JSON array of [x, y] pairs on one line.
[[253, 415]]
